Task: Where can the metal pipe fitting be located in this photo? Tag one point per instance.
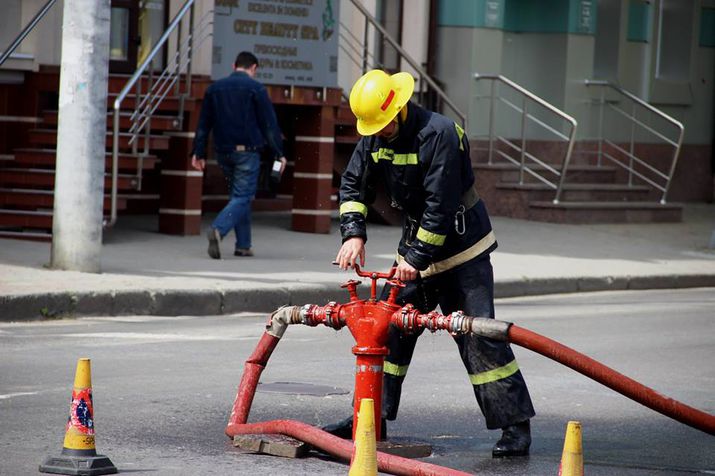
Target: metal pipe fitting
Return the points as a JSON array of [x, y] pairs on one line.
[[281, 318]]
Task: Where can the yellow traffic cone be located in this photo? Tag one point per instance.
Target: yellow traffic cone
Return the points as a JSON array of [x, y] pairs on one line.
[[572, 456], [78, 452], [364, 460]]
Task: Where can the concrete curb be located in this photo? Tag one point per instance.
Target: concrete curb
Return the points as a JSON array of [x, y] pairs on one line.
[[176, 302]]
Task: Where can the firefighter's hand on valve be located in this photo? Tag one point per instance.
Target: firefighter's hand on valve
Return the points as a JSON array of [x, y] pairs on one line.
[[352, 250], [405, 271]]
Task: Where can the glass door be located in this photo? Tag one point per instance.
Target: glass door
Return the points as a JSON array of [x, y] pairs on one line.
[[124, 38]]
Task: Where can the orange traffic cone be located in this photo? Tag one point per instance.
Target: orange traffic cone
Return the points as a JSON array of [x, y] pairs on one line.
[[572, 456], [364, 461], [78, 453]]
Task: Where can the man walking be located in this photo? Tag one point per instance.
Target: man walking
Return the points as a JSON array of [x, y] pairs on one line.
[[239, 112], [443, 257]]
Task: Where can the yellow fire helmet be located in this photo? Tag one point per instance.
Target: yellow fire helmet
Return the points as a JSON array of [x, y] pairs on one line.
[[377, 97]]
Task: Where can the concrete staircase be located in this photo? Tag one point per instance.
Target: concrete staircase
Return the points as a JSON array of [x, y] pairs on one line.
[[591, 194], [27, 173]]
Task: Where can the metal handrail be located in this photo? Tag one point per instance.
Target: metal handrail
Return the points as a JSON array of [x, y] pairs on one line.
[[145, 106], [676, 144], [406, 56], [26, 31], [523, 167]]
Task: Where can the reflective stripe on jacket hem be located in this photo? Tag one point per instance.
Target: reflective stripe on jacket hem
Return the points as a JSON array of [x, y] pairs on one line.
[[460, 258], [495, 374]]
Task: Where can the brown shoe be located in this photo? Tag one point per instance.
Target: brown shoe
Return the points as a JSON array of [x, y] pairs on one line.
[[243, 252], [214, 238]]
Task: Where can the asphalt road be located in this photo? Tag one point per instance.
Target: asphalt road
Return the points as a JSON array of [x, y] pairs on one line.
[[163, 388]]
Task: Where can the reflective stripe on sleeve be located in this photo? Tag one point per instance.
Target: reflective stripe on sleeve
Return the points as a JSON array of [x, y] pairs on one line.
[[394, 369], [349, 207], [495, 374], [430, 238]]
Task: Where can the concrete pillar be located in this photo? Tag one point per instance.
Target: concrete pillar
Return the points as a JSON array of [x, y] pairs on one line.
[[181, 188], [81, 130], [313, 172]]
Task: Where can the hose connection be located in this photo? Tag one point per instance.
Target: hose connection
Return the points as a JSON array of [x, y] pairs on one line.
[[409, 320], [280, 319], [328, 315]]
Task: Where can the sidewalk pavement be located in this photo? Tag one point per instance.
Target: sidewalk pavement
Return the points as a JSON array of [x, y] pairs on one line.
[[144, 272]]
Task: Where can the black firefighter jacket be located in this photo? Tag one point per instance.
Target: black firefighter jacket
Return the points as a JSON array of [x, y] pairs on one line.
[[428, 174]]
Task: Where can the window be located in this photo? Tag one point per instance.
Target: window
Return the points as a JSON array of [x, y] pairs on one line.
[[675, 39]]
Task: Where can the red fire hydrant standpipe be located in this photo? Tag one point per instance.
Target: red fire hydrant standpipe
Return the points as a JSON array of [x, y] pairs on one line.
[[368, 321]]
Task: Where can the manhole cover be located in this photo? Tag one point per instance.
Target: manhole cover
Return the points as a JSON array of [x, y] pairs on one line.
[[296, 388]]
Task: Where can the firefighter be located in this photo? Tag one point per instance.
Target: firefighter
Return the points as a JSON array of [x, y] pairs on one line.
[[422, 158]]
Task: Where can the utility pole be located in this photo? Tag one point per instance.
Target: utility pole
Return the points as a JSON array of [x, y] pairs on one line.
[[81, 130]]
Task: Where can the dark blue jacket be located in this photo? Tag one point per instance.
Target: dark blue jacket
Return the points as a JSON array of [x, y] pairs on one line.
[[426, 171], [239, 112]]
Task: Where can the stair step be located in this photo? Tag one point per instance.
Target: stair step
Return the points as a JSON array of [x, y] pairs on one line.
[[25, 235], [605, 212], [26, 199], [26, 219], [579, 192], [199, 83], [158, 122], [576, 173], [37, 157], [170, 103], [49, 137], [45, 178]]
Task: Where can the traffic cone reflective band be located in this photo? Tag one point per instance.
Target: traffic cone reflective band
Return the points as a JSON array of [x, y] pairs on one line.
[[79, 455], [572, 456], [364, 460]]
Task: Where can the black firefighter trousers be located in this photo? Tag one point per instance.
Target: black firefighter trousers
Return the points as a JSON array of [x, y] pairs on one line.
[[499, 387]]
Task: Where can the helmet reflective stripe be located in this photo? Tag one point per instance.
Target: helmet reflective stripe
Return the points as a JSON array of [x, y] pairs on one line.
[[389, 99]]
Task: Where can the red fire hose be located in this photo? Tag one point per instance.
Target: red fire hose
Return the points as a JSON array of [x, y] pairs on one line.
[[341, 448], [409, 318], [612, 379]]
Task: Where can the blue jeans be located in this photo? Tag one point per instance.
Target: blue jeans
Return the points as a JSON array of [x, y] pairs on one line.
[[241, 172]]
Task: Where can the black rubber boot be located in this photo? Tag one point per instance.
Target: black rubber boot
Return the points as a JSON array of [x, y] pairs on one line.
[[344, 428], [515, 441]]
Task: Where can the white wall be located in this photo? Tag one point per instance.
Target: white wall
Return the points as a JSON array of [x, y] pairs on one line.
[[43, 44]]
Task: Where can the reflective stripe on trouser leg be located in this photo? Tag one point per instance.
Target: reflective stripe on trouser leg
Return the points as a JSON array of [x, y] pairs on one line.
[[498, 385], [401, 346]]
